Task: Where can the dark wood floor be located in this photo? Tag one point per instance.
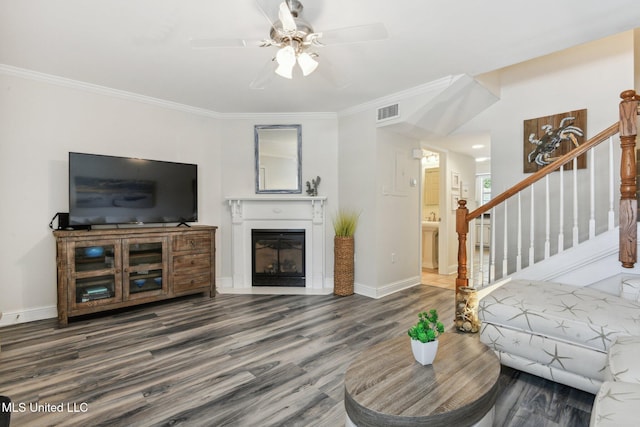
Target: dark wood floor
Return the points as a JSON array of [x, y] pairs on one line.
[[237, 360]]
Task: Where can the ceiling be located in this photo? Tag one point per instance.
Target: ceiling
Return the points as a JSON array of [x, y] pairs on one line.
[[143, 46]]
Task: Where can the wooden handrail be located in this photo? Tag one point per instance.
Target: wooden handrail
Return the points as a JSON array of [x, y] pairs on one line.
[[537, 176]]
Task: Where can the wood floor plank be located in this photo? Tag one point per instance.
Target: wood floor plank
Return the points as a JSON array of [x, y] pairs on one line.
[[236, 360]]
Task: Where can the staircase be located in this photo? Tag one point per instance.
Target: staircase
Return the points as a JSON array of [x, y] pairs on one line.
[[561, 223], [593, 263]]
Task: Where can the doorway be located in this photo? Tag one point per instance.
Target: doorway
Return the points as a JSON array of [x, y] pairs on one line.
[[431, 214]]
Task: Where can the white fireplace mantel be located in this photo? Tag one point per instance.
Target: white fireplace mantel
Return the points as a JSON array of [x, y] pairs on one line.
[[244, 208], [278, 212]]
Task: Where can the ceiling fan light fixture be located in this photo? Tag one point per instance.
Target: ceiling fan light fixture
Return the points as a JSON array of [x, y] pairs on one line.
[[286, 59], [307, 64], [295, 40], [283, 71]]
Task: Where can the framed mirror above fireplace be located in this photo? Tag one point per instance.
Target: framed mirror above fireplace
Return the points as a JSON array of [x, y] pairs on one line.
[[278, 158]]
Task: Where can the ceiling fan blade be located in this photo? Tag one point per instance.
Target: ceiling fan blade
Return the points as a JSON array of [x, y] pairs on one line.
[[355, 34], [265, 76], [335, 79], [286, 17], [269, 8], [205, 43]]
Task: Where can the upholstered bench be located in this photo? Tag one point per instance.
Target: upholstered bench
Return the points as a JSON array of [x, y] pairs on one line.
[[556, 331]]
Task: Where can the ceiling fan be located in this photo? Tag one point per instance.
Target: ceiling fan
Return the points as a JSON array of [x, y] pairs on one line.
[[296, 41]]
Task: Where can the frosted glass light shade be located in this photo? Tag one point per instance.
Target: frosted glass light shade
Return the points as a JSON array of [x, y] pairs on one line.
[[307, 64], [286, 59]]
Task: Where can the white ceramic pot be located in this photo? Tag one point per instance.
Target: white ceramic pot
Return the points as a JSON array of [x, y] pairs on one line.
[[424, 352]]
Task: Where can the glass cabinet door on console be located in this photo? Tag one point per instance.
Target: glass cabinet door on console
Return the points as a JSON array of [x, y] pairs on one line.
[[96, 273], [145, 262]]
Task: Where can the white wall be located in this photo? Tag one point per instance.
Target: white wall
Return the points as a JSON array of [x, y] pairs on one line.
[[636, 58], [398, 226], [40, 123], [357, 166], [375, 173]]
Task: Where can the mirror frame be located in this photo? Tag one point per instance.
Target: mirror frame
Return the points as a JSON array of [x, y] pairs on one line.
[[298, 188]]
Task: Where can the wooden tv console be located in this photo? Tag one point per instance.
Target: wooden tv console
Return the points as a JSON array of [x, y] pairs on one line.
[[105, 269]]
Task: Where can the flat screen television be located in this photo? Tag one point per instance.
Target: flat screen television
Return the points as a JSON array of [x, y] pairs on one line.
[[123, 190]]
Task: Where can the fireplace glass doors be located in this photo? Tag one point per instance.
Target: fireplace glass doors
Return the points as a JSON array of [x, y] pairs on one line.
[[278, 257]]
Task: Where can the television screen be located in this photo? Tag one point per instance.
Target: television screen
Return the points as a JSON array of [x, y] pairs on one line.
[[122, 190]]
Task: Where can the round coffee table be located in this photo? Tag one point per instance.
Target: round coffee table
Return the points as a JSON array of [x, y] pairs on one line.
[[385, 386]]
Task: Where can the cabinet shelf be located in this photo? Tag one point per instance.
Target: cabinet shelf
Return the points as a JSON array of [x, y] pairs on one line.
[[141, 268], [93, 273], [150, 258]]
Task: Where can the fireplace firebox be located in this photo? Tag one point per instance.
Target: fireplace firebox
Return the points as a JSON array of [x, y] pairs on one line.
[[278, 257]]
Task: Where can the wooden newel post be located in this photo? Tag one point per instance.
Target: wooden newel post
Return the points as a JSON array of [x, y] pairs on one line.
[[628, 201], [462, 228]]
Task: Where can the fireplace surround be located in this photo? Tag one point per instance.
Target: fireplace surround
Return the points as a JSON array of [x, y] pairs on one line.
[[278, 213]]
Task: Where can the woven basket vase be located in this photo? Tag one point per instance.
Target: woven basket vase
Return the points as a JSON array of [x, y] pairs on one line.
[[343, 250]]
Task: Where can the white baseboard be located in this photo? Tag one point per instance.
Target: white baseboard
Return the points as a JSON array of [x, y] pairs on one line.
[[224, 282], [224, 285], [388, 289], [29, 315]]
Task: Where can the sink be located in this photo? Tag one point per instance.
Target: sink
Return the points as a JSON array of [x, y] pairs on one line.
[[430, 231], [430, 225]]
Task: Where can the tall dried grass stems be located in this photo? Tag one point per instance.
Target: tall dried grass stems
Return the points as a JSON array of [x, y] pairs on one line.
[[345, 223]]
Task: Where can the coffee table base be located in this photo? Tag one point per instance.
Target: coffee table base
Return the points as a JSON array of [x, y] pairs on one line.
[[486, 421]]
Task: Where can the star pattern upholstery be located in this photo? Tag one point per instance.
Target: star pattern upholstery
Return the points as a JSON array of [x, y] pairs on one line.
[[617, 400], [557, 331], [615, 405]]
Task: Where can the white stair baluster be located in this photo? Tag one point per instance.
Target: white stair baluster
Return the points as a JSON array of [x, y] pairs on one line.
[[547, 219], [471, 243], [505, 242], [611, 216], [592, 195], [519, 253], [575, 203], [481, 251], [561, 213], [492, 248], [532, 234]]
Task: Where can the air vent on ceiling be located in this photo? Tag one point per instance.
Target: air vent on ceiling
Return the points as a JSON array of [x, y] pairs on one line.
[[388, 112]]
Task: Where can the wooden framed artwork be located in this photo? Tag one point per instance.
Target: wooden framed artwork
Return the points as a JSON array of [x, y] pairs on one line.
[[547, 138]]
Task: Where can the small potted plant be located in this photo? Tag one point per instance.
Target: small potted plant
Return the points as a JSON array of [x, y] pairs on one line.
[[424, 336]]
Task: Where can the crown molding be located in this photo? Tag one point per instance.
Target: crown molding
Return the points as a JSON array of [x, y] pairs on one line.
[[103, 90], [122, 94], [280, 116]]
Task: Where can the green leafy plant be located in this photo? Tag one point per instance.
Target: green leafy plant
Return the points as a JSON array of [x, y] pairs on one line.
[[428, 327], [345, 223]]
